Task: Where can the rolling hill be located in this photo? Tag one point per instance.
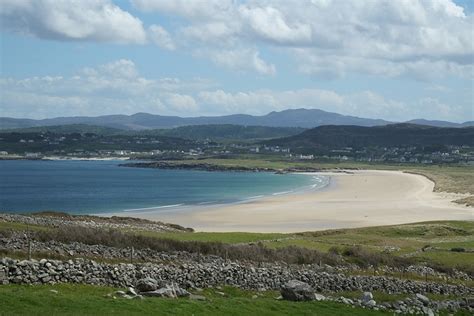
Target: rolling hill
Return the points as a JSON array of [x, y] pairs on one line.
[[390, 135], [191, 132], [303, 118]]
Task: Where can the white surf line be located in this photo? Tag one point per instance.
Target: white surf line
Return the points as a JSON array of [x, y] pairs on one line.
[[204, 203], [280, 193], [152, 208], [254, 197]]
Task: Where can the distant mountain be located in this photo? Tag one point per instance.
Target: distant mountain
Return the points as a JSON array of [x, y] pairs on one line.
[[333, 137], [68, 129], [227, 132], [304, 118], [192, 132], [289, 118], [440, 123]]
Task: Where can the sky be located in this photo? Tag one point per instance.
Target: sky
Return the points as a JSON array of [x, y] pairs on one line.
[[390, 59]]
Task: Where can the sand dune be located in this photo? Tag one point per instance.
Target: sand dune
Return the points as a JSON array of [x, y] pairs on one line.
[[362, 198]]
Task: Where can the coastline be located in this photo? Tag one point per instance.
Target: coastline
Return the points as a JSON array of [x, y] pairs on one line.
[[358, 198]]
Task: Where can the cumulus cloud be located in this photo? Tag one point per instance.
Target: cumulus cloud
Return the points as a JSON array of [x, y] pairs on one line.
[[91, 20], [182, 103], [161, 37], [239, 59], [270, 24], [115, 87], [118, 88], [419, 38]]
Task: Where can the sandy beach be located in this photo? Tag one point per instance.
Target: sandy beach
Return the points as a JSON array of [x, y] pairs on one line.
[[355, 199]]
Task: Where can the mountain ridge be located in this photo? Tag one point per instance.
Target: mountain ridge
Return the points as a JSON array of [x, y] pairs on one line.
[[303, 118]]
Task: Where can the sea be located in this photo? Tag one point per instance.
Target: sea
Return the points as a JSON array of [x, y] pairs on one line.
[[94, 187]]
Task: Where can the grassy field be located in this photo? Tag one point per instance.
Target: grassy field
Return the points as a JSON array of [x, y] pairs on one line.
[[92, 300]]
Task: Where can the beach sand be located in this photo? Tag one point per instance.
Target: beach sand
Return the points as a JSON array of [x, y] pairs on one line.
[[354, 199]]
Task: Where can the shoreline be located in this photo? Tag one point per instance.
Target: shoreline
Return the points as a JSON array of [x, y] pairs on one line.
[[359, 198]]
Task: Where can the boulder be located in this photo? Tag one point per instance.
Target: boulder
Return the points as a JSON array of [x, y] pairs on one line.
[[422, 299], [370, 303], [163, 292], [367, 296], [131, 291], [295, 290], [146, 285], [319, 297]]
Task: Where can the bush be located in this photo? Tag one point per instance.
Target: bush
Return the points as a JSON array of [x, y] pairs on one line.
[[365, 258], [255, 252]]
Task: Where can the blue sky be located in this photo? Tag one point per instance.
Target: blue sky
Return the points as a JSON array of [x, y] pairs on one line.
[[395, 60]]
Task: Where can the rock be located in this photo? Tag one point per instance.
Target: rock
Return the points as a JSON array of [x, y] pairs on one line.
[[220, 293], [163, 292], [146, 285], [197, 297], [346, 301], [131, 291], [254, 297], [422, 299], [319, 297], [370, 303], [120, 293], [3, 277], [54, 291], [180, 292], [295, 290], [367, 296]]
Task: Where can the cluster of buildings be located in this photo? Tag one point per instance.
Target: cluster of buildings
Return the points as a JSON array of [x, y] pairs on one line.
[[413, 155]]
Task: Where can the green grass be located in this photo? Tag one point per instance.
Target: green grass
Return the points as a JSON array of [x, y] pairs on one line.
[[20, 226], [91, 300], [230, 238]]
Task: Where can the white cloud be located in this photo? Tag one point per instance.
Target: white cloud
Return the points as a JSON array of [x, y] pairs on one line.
[[239, 60], [118, 88], [161, 37], [90, 20], [418, 38], [115, 87], [187, 8], [270, 24], [182, 103]]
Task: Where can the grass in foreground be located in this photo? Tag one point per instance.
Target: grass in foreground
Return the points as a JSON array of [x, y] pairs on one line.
[[91, 300]]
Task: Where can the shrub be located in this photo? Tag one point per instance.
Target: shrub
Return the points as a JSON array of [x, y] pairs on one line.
[[119, 239]]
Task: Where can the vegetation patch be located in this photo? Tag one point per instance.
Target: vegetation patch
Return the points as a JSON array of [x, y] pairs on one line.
[[93, 300]]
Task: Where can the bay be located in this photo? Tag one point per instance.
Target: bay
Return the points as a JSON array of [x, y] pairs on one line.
[[91, 187]]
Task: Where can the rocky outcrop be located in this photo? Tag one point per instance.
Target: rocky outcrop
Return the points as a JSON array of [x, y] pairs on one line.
[[295, 290]]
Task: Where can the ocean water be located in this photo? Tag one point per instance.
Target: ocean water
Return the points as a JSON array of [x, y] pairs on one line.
[[91, 187]]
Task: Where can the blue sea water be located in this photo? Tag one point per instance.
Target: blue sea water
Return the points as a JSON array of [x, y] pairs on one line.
[[91, 187]]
